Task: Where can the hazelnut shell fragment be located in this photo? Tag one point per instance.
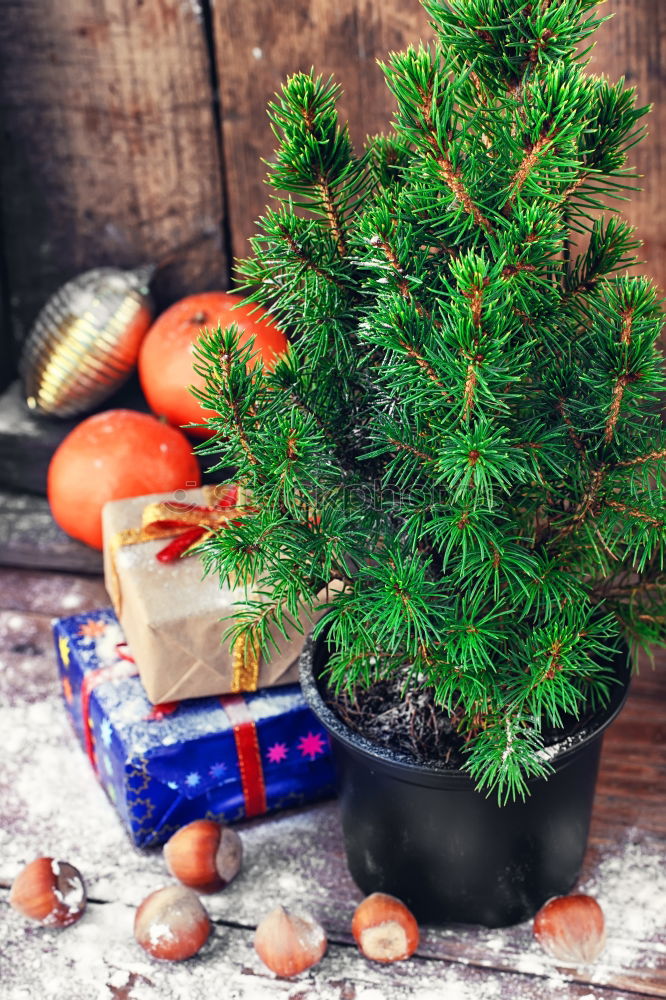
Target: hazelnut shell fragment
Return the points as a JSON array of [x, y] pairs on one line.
[[49, 891], [204, 855], [172, 924], [289, 943], [384, 929], [571, 929]]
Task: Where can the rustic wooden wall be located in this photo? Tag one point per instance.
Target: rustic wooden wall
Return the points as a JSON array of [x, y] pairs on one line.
[[258, 44], [633, 44], [131, 127], [110, 150]]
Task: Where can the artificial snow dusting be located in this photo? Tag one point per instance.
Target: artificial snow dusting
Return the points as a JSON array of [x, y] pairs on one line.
[[159, 933], [53, 806], [127, 708], [631, 888], [98, 959]]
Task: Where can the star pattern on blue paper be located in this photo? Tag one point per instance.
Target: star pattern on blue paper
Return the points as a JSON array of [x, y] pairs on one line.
[[125, 769], [312, 745], [64, 650], [277, 753]]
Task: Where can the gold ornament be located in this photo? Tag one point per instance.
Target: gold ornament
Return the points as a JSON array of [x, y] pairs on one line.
[[85, 341]]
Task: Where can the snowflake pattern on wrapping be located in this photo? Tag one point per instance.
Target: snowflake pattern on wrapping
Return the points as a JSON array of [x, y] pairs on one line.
[[92, 629], [312, 745], [277, 753]]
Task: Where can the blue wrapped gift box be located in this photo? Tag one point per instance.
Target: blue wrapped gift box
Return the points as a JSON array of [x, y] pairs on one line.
[[162, 766]]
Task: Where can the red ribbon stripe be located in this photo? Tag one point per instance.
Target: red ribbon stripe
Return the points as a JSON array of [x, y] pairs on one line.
[[234, 705], [249, 754], [125, 667]]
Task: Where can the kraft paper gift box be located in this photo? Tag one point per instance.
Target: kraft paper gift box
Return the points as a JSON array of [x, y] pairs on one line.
[[227, 758], [174, 617]]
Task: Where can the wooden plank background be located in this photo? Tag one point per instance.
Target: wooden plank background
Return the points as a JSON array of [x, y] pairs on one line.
[[633, 45], [110, 145], [259, 44], [132, 127]]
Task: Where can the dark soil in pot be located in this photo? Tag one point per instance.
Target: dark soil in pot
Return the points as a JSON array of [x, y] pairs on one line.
[[412, 724], [415, 826]]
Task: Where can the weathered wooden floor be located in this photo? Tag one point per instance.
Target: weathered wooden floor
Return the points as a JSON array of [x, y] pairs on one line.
[[50, 804]]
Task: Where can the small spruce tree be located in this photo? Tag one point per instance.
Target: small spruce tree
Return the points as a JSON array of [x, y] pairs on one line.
[[466, 431]]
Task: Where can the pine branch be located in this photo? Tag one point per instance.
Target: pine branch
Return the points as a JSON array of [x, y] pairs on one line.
[[306, 260], [466, 431], [232, 403], [453, 177], [411, 78], [411, 352], [571, 430], [612, 246], [403, 284], [634, 513], [315, 159], [653, 456], [401, 446], [533, 154], [475, 295], [588, 502]]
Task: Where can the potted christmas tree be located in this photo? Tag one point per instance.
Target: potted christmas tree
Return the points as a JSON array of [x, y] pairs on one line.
[[465, 437]]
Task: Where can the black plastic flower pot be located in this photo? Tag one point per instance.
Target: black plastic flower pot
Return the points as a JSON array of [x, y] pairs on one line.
[[451, 853]]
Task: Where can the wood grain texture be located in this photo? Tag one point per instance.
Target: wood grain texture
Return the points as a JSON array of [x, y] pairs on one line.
[[29, 537], [50, 594], [109, 151], [633, 44], [7, 359], [258, 45], [297, 858], [32, 960]]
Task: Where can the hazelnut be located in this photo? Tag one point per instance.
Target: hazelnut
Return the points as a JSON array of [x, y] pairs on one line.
[[289, 943], [172, 923], [384, 929], [50, 891], [571, 929], [204, 855]]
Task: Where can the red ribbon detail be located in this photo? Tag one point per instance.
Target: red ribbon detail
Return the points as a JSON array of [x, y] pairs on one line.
[[161, 711], [181, 544], [173, 551], [125, 667], [235, 706], [249, 755]]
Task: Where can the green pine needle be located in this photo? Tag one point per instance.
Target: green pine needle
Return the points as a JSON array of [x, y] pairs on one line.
[[465, 436]]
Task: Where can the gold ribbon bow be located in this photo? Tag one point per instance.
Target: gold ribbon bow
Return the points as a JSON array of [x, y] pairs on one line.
[[170, 519]]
